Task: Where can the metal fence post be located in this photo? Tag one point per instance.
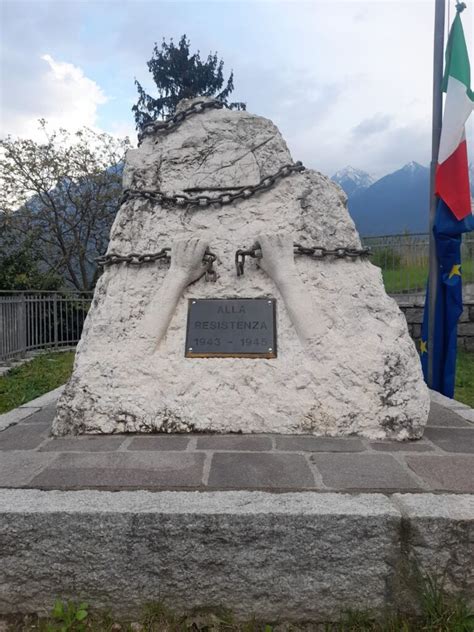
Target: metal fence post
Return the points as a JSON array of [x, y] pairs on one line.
[[22, 325], [438, 58], [55, 320], [3, 330]]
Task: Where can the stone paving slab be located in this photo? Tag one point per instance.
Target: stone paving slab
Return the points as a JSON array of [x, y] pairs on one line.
[[461, 409], [24, 436], [41, 415], [381, 472], [18, 468], [405, 446], [318, 444], [452, 439], [444, 472], [442, 461], [14, 417], [234, 442], [164, 442], [83, 444], [440, 416], [243, 470], [122, 470]]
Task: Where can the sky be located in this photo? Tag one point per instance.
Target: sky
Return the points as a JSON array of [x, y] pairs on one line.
[[347, 82]]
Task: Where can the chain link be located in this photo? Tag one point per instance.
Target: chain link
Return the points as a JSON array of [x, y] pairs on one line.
[[134, 259], [315, 252], [181, 199], [174, 121]]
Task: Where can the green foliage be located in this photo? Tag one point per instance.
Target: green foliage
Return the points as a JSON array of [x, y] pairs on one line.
[[58, 199], [20, 267], [68, 617], [442, 612], [178, 74], [30, 380]]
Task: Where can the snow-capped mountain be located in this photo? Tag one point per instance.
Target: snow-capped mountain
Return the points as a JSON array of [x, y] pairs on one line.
[[412, 168], [396, 203], [352, 180]]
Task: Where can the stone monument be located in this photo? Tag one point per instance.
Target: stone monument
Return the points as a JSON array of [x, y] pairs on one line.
[[174, 342]]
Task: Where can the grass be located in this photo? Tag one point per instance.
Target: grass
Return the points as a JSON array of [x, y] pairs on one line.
[[34, 378], [464, 391], [438, 612], [411, 277]]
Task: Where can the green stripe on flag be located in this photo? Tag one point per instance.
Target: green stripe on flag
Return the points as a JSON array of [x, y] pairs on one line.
[[457, 59]]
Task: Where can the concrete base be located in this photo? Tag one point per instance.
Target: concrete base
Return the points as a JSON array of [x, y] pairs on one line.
[[286, 528], [296, 557]]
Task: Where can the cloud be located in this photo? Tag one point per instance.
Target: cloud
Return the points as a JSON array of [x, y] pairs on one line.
[[373, 125], [338, 79], [54, 90]]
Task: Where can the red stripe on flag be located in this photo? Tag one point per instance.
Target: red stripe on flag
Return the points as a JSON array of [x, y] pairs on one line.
[[452, 182]]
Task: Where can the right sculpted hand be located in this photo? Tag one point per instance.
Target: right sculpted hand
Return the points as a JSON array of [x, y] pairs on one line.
[[277, 260]]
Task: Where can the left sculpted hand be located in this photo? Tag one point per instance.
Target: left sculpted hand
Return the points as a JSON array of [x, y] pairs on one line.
[[186, 259]]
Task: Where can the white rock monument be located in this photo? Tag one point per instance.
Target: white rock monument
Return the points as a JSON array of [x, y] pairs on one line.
[[341, 361]]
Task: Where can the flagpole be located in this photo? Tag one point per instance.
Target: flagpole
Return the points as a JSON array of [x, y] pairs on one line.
[[438, 53]]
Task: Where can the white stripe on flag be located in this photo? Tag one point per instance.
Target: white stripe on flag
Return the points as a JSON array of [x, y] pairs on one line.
[[457, 108]]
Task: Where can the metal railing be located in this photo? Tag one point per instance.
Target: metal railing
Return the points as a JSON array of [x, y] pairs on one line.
[[40, 320], [404, 261]]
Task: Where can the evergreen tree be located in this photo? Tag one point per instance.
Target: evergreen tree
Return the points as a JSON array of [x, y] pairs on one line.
[[180, 75]]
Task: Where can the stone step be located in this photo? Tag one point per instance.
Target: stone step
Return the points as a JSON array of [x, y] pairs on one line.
[[294, 556]]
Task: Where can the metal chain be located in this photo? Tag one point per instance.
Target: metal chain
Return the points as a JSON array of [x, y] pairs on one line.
[[134, 259], [205, 200], [316, 252], [174, 121]]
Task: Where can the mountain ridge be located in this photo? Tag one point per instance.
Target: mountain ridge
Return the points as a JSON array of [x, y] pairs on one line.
[[393, 204]]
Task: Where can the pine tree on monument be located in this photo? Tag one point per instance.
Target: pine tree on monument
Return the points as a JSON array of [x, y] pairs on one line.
[[178, 74]]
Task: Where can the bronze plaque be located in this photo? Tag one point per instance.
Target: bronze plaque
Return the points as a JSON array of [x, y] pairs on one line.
[[231, 328]]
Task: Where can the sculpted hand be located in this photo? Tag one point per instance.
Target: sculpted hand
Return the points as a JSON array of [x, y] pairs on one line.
[[186, 267], [277, 260], [186, 259]]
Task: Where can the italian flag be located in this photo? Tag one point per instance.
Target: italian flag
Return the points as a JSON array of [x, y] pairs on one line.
[[452, 176]]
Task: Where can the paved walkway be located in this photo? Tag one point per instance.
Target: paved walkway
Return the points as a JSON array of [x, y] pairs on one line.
[[442, 461]]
